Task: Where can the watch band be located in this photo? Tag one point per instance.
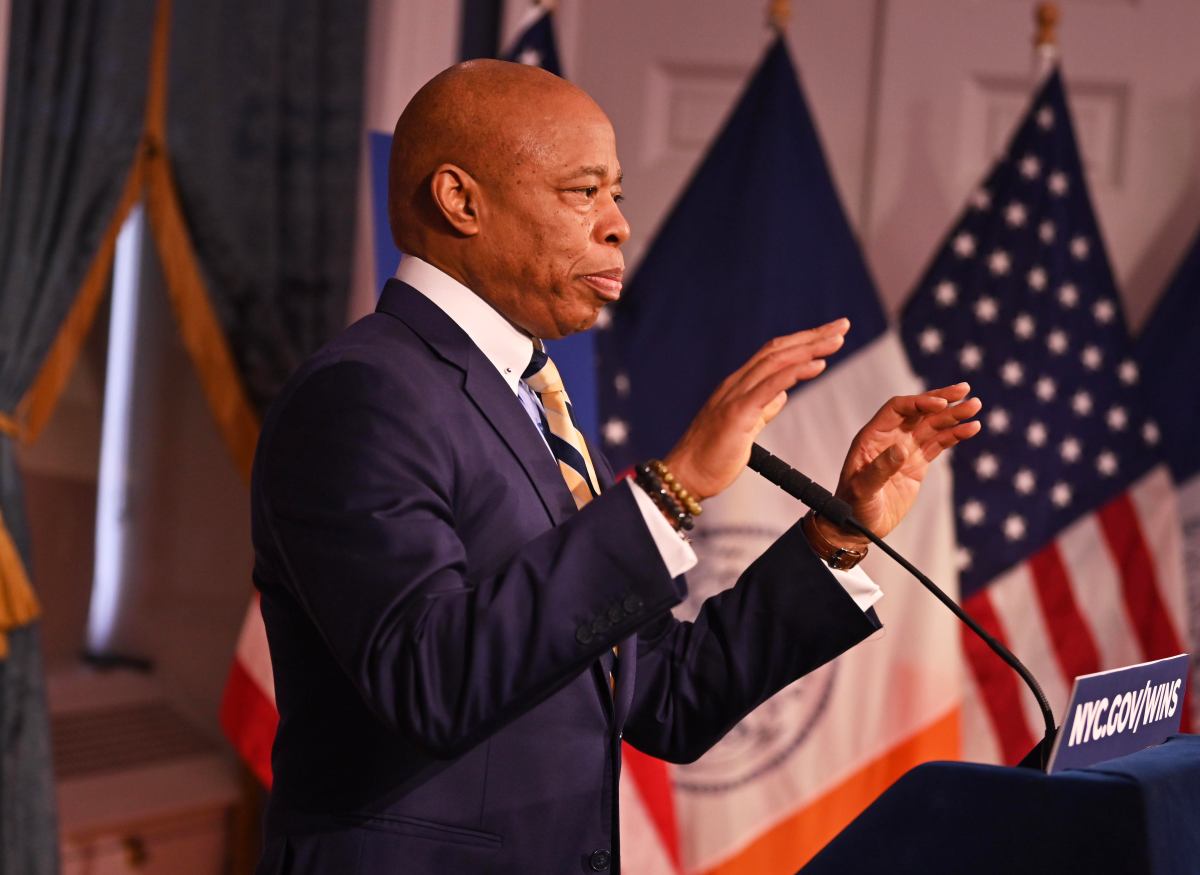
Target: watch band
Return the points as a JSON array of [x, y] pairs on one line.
[[837, 558]]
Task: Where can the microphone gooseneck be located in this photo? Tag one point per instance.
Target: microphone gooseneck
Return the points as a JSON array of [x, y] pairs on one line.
[[839, 513]]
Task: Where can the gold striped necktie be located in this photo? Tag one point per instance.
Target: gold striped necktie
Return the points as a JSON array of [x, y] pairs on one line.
[[566, 442], [561, 430]]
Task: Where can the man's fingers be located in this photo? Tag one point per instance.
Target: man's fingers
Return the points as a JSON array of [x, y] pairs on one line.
[[837, 326], [780, 381], [785, 346], [947, 438], [948, 418], [906, 411], [746, 380], [786, 360], [953, 392]]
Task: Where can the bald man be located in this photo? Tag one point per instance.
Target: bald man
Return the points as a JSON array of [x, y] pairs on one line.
[[465, 613]]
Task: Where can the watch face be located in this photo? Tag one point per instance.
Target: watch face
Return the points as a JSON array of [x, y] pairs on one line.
[[844, 560]]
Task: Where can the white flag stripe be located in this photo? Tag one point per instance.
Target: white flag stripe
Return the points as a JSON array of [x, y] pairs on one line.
[[252, 652], [1096, 585], [979, 743], [1157, 505], [1024, 628]]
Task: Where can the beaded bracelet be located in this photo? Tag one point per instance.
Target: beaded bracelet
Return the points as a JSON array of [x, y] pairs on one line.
[[685, 498], [663, 497]]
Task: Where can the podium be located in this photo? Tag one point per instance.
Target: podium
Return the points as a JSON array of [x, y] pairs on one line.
[[1136, 815]]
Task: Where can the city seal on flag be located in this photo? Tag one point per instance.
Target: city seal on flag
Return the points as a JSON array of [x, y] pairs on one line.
[[765, 738]]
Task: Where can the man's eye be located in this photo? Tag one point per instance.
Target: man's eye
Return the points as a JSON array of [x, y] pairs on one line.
[[590, 191], [618, 198]]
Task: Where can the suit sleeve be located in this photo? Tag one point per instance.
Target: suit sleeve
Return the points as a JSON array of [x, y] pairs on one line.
[[786, 616], [355, 497]]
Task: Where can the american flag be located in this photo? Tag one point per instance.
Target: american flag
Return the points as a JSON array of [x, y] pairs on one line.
[[1068, 539]]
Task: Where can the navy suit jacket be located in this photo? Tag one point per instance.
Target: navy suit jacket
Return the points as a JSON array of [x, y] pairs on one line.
[[436, 609]]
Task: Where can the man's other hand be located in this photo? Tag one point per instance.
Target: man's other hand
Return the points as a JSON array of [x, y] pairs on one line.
[[888, 458], [716, 446]]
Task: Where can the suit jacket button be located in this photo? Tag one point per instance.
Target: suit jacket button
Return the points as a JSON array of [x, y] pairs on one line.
[[584, 634], [632, 604], [614, 614], [600, 860]]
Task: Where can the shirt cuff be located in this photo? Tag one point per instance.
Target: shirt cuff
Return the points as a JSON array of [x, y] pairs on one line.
[[677, 554], [858, 585]]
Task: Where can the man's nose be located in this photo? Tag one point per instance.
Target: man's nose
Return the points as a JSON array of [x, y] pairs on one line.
[[613, 227]]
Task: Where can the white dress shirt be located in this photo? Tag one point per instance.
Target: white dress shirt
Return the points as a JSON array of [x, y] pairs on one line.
[[509, 350]]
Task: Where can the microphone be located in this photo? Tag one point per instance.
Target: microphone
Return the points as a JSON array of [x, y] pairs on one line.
[[839, 513], [799, 486]]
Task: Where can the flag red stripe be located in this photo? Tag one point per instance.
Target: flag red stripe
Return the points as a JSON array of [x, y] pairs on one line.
[[1070, 635], [654, 786], [249, 719], [1139, 583], [998, 683]]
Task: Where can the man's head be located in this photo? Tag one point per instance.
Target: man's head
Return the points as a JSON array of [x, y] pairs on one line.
[[506, 178]]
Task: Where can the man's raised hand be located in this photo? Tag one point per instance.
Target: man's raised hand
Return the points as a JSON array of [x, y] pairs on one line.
[[716, 446]]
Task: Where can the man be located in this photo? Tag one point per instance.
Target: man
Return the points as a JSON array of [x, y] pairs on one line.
[[446, 570]]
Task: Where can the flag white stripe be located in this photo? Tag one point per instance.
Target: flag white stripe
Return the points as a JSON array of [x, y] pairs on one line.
[[1024, 628], [1096, 584], [979, 741]]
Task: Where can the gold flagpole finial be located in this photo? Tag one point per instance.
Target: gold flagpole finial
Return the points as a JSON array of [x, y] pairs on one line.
[[778, 14], [1046, 16]]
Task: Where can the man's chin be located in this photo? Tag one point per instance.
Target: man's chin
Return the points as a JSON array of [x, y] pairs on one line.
[[585, 321]]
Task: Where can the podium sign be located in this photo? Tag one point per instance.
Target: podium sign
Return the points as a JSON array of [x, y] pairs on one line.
[[1117, 712]]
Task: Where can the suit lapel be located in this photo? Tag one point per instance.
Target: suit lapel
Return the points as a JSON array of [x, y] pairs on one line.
[[495, 400], [502, 409], [487, 390]]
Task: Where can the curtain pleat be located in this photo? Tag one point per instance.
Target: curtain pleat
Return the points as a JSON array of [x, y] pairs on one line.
[[256, 215], [73, 118]]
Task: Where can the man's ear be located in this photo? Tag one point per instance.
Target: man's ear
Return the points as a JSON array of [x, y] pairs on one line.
[[456, 196]]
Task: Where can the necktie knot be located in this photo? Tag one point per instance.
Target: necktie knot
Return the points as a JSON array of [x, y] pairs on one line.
[[541, 375]]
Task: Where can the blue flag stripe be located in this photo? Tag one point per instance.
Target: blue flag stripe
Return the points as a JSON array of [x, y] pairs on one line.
[[757, 246], [1169, 352]]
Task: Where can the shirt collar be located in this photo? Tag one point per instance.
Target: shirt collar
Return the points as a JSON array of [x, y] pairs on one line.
[[505, 346]]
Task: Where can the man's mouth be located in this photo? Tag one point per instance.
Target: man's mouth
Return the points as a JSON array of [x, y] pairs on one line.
[[607, 283]]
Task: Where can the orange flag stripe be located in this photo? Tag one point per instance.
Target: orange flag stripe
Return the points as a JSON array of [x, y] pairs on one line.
[[793, 842]]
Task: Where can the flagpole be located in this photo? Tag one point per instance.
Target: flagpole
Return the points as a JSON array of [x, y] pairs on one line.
[[1046, 17], [778, 13]]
